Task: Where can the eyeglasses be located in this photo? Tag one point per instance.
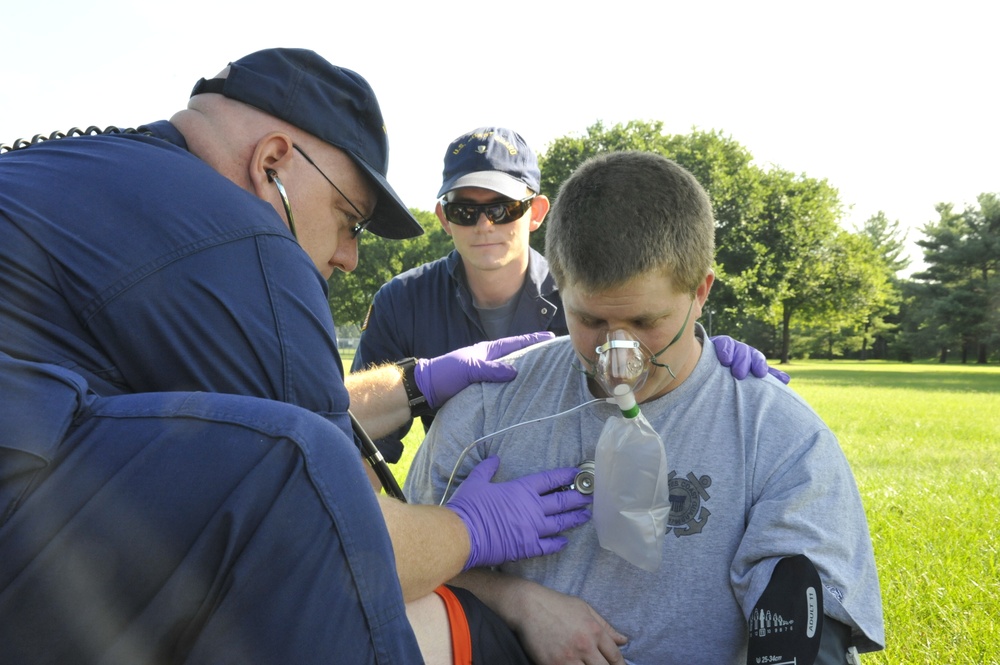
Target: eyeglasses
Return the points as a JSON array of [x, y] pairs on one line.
[[358, 228], [498, 212]]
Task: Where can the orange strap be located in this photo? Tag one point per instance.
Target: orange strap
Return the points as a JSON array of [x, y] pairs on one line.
[[461, 638]]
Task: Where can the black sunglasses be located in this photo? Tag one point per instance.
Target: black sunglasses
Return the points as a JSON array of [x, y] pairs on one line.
[[498, 212]]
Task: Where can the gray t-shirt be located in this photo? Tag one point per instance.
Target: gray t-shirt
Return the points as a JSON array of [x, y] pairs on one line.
[[755, 476], [496, 320]]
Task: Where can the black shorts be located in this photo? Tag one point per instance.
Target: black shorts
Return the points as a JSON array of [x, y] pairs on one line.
[[491, 640]]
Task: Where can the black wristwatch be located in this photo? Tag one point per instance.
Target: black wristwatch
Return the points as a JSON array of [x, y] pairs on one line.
[[418, 403]]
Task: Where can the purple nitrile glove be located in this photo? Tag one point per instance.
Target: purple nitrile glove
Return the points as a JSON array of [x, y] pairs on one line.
[[742, 359], [441, 378], [519, 518]]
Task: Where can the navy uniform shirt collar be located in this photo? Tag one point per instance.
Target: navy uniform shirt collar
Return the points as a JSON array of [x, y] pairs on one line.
[[541, 282], [164, 130]]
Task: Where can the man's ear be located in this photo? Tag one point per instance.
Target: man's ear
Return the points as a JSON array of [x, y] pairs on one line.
[[539, 208], [701, 293], [445, 224], [271, 154]]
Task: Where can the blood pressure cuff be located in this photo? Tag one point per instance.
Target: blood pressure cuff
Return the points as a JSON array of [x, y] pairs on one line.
[[787, 623]]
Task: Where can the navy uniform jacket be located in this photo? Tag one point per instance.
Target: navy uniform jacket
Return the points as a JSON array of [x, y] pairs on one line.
[[428, 311], [137, 285]]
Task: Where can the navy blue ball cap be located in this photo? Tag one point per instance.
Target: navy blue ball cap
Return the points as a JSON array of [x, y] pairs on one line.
[[492, 158], [332, 103]]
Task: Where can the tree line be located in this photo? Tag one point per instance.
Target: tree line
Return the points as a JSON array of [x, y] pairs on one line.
[[790, 280]]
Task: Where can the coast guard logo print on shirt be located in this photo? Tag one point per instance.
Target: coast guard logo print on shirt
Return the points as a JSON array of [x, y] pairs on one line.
[[687, 515]]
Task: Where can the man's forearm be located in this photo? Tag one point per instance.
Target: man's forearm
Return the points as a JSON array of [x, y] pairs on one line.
[[552, 627], [497, 590], [378, 399], [431, 545]]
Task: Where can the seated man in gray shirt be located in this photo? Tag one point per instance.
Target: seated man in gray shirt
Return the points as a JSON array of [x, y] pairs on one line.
[[765, 552]]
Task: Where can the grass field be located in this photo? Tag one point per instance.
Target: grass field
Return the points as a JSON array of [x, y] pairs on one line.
[[924, 443]]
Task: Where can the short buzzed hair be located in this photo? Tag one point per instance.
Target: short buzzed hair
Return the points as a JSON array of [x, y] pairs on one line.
[[624, 214]]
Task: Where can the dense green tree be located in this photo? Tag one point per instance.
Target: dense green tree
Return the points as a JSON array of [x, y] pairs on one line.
[[889, 239], [854, 287], [790, 244], [962, 252], [379, 261], [924, 332], [889, 242]]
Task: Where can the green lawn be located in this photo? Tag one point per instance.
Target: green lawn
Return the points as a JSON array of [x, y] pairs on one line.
[[924, 442]]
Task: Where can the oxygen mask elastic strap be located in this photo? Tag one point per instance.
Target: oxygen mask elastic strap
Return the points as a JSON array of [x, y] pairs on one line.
[[654, 359]]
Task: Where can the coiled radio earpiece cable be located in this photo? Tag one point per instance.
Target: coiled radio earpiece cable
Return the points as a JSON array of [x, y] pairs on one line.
[[93, 130]]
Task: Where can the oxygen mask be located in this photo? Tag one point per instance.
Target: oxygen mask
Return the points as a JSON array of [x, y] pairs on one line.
[[621, 360], [624, 360]]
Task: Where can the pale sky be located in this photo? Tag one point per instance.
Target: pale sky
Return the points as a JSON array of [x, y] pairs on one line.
[[893, 103]]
